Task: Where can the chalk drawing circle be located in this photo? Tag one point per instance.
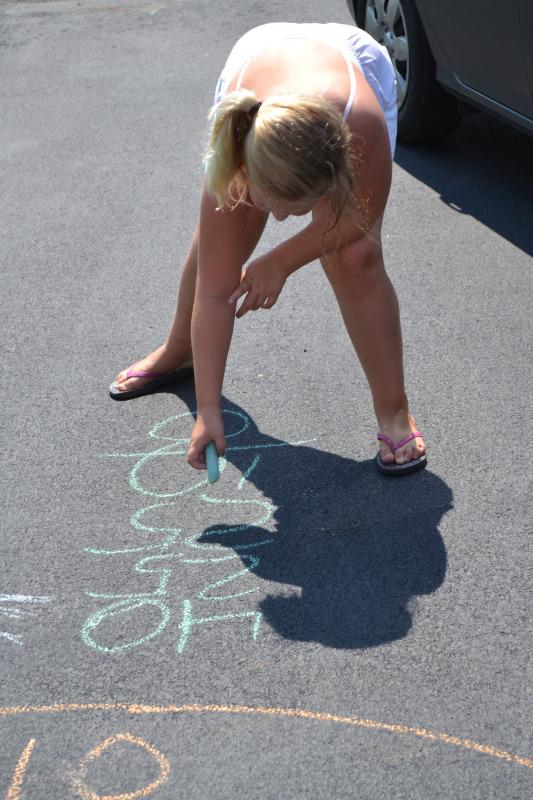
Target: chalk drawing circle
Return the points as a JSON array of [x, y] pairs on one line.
[[194, 708], [86, 794], [124, 607]]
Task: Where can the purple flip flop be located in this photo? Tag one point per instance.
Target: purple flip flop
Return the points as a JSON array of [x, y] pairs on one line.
[[400, 469], [158, 379]]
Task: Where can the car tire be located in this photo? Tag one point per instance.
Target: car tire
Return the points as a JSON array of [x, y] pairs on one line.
[[425, 110]]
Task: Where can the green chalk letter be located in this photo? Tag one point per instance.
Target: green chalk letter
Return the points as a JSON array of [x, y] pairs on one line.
[[189, 621]]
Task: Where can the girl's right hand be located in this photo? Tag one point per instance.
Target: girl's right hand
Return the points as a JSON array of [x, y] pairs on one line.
[[208, 427]]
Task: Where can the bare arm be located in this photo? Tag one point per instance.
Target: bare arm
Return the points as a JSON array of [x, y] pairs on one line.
[[219, 268], [263, 279], [222, 250], [358, 222]]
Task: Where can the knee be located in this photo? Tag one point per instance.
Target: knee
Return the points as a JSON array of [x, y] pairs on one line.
[[359, 262]]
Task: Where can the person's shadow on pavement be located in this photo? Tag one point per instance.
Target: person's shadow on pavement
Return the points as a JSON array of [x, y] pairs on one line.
[[360, 545]]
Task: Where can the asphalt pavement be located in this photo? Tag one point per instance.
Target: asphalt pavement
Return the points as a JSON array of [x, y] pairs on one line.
[[305, 627]]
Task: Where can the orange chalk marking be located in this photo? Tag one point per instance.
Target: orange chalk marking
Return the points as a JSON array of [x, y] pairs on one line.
[[194, 708], [13, 793], [85, 793]]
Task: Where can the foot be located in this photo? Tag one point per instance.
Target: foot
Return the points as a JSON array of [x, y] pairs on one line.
[[397, 427], [161, 360]]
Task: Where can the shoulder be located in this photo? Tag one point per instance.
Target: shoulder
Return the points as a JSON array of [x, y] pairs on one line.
[[371, 152], [372, 173]]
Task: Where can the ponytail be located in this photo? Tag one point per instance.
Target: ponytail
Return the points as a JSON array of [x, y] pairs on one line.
[[293, 146], [232, 120]]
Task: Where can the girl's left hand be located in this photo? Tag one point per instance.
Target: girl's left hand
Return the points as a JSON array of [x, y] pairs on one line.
[[262, 283]]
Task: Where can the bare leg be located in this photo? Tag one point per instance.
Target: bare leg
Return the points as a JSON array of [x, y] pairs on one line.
[[176, 350], [369, 308]]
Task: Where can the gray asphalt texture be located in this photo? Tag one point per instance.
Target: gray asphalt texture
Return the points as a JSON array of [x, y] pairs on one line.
[[302, 579]]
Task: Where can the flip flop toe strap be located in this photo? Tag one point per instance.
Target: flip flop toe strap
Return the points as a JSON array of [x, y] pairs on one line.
[[396, 445], [142, 373]]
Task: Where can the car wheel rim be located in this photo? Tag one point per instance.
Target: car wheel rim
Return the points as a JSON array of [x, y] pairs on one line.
[[385, 22]]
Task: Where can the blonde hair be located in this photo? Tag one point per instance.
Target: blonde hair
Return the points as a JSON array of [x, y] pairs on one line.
[[293, 147]]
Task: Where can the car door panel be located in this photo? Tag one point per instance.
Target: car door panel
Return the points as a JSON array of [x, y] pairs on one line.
[[482, 44], [526, 25]]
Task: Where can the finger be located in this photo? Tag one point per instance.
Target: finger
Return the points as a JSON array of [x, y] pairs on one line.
[[260, 302], [220, 444], [241, 289], [247, 305], [270, 301], [196, 458], [195, 463]]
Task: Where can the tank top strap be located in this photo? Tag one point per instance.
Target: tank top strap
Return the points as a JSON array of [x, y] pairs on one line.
[[241, 73], [353, 85]]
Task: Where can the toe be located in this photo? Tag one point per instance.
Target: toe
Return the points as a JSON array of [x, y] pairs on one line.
[[410, 452], [126, 383], [122, 376], [403, 455], [387, 456], [122, 381], [419, 448]]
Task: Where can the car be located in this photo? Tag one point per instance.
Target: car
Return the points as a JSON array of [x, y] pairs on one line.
[[452, 57]]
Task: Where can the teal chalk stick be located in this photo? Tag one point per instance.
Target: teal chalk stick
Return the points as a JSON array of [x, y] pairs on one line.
[[211, 459]]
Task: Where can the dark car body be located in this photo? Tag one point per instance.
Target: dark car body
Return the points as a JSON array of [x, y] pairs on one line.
[[482, 51]]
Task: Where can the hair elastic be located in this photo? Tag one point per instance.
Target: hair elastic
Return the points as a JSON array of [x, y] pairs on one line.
[[244, 121]]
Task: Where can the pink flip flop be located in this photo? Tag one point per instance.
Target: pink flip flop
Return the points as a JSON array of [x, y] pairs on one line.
[[158, 379], [400, 469]]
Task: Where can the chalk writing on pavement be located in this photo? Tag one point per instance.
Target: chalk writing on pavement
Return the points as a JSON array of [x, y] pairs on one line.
[[160, 552], [17, 608]]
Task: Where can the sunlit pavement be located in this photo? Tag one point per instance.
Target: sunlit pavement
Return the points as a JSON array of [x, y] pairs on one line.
[[303, 628]]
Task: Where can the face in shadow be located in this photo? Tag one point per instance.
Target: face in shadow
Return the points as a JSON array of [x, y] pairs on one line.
[[352, 549]]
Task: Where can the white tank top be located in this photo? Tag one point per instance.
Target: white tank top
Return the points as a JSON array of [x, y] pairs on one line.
[[265, 36], [353, 85]]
